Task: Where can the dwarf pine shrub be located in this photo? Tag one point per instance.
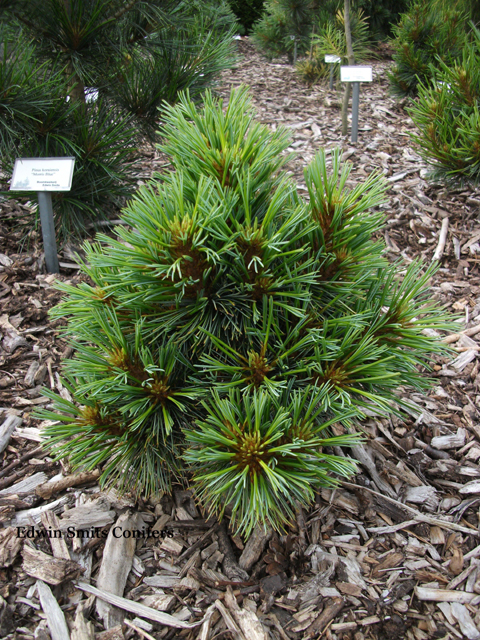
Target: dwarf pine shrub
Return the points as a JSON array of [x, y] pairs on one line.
[[448, 120], [233, 322], [428, 32]]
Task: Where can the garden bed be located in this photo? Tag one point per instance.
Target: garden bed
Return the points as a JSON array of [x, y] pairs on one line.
[[393, 553]]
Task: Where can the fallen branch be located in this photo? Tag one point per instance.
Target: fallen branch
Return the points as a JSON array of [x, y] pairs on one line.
[[444, 595], [48, 489], [393, 528], [420, 517], [138, 609]]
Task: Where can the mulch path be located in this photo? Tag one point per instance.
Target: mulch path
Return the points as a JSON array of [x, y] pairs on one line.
[[393, 553]]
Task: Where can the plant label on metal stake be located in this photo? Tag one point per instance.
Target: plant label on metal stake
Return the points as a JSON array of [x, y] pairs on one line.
[[355, 75], [332, 59], [294, 38], [44, 175]]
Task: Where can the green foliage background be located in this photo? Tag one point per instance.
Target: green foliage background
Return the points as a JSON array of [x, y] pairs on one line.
[[247, 12], [281, 19], [381, 16], [284, 18], [135, 55]]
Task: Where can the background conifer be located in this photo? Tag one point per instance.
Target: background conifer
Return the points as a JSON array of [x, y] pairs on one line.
[[447, 117], [85, 78]]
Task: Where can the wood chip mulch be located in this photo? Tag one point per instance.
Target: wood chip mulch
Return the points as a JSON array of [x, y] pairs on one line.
[[393, 553]]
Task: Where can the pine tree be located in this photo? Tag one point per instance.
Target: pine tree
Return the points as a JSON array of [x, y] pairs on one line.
[[131, 55], [285, 27], [448, 119], [233, 322], [429, 31], [331, 39]]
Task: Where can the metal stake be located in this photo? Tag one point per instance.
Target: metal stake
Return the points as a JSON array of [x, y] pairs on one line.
[[355, 102], [48, 231], [331, 76], [294, 50]]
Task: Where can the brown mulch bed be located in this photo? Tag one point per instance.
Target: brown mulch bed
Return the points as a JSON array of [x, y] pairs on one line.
[[393, 553]]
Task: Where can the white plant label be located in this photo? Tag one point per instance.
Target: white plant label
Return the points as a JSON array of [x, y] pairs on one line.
[[331, 59], [356, 74], [42, 174]]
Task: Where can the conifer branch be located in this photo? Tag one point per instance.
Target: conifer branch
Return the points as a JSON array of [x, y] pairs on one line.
[[118, 14]]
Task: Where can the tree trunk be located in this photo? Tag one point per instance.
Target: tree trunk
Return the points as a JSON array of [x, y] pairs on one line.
[[77, 89], [348, 34], [346, 100], [351, 61]]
